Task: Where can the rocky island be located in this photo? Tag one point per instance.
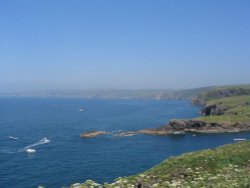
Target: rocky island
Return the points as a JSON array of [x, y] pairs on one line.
[[91, 134]]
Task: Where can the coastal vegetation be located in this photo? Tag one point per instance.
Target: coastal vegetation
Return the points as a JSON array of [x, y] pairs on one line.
[[227, 166], [221, 92], [233, 109]]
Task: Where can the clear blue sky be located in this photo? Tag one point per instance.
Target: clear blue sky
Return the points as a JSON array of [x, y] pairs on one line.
[[123, 44]]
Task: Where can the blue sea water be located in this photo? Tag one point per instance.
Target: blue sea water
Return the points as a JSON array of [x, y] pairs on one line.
[[67, 158]]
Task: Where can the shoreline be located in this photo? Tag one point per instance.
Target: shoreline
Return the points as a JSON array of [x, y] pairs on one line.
[[226, 111]]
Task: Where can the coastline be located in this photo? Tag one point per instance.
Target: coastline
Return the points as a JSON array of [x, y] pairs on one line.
[[223, 110], [226, 165]]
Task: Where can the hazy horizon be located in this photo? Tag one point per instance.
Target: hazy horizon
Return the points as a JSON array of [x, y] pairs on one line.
[[144, 44]]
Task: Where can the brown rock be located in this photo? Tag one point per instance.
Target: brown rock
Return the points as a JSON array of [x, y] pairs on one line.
[[92, 134]]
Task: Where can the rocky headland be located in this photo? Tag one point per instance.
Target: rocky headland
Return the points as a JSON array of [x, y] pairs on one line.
[[197, 126], [222, 110]]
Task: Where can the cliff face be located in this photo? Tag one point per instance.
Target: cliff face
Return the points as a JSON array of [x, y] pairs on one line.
[[213, 109]]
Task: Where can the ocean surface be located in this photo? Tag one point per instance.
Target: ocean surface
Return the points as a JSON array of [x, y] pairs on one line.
[[52, 127]]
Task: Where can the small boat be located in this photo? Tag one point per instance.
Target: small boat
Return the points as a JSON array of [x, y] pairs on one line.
[[81, 110], [239, 139], [13, 138], [30, 150]]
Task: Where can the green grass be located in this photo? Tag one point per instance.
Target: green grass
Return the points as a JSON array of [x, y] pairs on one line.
[[240, 110], [230, 102], [225, 118], [237, 109], [215, 92], [227, 166]]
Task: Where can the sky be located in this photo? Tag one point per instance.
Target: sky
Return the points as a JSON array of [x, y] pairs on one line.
[[123, 44]]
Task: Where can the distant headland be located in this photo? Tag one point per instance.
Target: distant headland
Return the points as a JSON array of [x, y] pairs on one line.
[[158, 94], [223, 109]]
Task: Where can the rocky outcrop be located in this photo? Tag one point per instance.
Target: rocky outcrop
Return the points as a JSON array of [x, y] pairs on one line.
[[197, 126], [92, 134], [209, 110]]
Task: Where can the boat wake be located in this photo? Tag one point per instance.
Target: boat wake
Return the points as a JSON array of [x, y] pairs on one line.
[[27, 148], [40, 142]]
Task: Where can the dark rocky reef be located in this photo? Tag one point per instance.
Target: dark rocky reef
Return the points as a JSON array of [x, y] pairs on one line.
[[197, 126]]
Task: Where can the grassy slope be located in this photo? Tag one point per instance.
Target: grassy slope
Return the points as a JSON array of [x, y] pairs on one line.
[[223, 91], [226, 166], [237, 109]]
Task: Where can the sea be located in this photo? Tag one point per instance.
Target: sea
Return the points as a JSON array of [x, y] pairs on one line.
[[52, 127]]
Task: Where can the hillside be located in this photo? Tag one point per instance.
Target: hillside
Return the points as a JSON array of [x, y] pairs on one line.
[[224, 109], [228, 109], [221, 92], [226, 166]]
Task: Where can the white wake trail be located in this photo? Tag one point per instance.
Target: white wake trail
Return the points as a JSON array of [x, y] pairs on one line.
[[40, 142]]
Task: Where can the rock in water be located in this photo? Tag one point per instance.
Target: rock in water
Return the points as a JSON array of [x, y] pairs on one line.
[[92, 134]]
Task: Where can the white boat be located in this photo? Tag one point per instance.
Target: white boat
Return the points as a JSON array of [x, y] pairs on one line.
[[81, 110], [30, 150], [239, 139], [13, 138]]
